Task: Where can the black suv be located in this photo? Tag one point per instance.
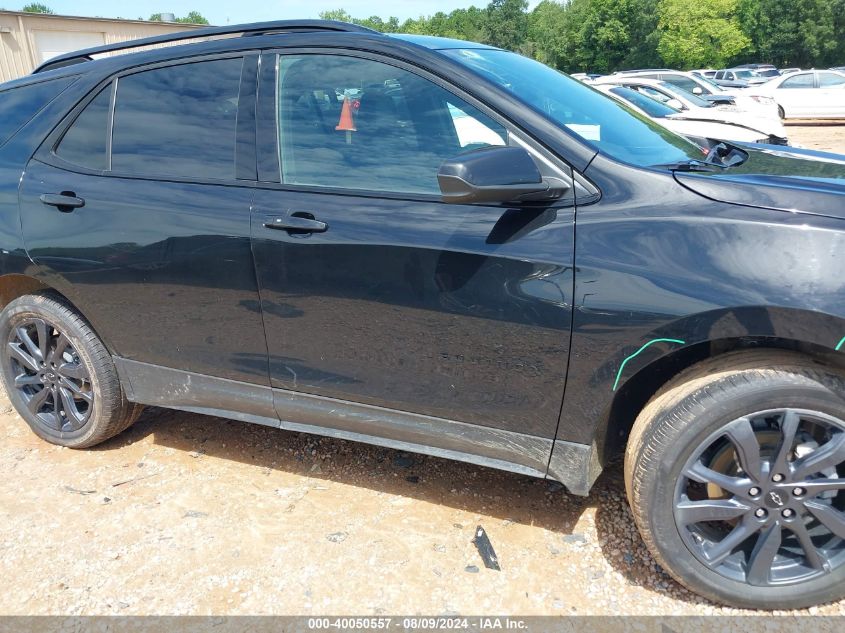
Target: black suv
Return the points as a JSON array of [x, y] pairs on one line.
[[446, 248]]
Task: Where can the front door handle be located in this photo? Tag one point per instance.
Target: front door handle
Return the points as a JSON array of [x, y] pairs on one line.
[[296, 223], [65, 201]]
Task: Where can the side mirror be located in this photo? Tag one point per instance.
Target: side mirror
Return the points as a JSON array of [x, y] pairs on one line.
[[493, 174], [675, 103], [697, 90]]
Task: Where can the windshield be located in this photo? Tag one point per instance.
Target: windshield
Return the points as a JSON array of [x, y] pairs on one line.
[[599, 120], [745, 74], [645, 103], [712, 84]]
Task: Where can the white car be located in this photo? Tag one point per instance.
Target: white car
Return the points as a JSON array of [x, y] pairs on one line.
[[682, 123], [808, 94], [696, 107], [711, 91]]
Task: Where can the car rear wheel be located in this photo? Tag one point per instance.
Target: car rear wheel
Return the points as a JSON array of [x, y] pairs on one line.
[[735, 477], [58, 374], [781, 112]]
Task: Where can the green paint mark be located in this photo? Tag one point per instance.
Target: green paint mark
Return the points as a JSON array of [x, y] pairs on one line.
[[652, 342], [841, 343]]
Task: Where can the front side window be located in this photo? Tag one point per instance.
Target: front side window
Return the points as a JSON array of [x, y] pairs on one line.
[[178, 121], [804, 80], [352, 123]]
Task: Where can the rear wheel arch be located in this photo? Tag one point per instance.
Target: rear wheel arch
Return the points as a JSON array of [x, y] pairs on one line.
[[14, 285]]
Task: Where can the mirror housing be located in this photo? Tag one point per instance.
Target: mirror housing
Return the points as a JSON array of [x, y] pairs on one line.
[[675, 103], [697, 90], [494, 175]]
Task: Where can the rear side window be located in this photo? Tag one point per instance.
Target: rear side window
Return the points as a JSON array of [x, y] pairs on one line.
[[19, 105], [831, 80], [804, 80], [178, 121], [86, 141]]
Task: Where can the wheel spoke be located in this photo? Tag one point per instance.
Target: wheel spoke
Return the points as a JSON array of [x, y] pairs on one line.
[[61, 345], [811, 553], [43, 338], [37, 400], [22, 357], [76, 390], [69, 406], [788, 428], [689, 512], [818, 486], [831, 453], [763, 555], [741, 434], [718, 552], [832, 519], [31, 346], [75, 371], [702, 474], [25, 379]]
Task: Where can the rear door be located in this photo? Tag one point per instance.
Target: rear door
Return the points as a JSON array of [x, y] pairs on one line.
[[386, 296], [137, 209], [831, 94], [797, 95]]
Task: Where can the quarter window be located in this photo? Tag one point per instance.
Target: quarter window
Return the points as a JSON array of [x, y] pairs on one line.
[[86, 141], [352, 123], [178, 121], [19, 105]]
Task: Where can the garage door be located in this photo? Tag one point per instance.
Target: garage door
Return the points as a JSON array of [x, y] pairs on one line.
[[49, 44]]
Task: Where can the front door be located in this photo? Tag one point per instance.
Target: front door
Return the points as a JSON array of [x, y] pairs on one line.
[[374, 291]]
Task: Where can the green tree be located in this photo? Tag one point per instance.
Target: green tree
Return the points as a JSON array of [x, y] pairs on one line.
[[194, 17], [696, 33], [507, 24], [37, 7], [792, 32]]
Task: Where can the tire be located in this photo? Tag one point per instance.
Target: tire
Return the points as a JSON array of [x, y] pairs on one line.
[[80, 377], [708, 417], [781, 112]]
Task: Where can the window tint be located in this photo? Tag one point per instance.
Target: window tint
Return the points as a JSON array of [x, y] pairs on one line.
[[804, 80], [86, 141], [831, 80], [359, 124], [19, 105], [178, 121], [682, 82]]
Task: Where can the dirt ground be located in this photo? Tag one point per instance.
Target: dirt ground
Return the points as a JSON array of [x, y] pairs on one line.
[[187, 514], [828, 137]]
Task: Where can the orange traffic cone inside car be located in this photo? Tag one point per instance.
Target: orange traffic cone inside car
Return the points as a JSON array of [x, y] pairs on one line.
[[346, 123]]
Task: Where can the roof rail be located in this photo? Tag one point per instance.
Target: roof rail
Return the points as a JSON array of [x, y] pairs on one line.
[[257, 28]]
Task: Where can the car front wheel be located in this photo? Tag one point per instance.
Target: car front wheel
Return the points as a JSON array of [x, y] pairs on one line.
[[735, 477]]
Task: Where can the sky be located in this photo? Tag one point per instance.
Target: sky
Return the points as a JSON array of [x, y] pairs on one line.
[[221, 12]]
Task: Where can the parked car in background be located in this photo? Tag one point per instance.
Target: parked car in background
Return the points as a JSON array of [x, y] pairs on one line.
[[808, 94], [586, 77], [711, 91], [770, 127], [787, 71], [839, 68], [738, 78], [704, 72], [764, 70], [205, 226], [703, 131]]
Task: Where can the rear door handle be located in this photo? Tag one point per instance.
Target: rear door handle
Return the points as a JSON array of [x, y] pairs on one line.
[[296, 223], [63, 201]]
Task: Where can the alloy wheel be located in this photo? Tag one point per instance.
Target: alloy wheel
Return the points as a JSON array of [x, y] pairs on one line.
[[49, 375], [760, 500]]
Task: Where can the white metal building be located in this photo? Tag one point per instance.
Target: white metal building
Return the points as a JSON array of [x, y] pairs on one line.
[[27, 39]]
